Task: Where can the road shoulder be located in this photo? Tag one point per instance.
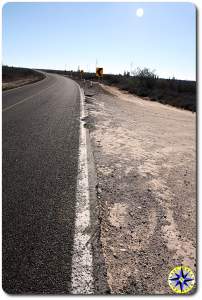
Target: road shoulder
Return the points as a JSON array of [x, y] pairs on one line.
[[144, 155]]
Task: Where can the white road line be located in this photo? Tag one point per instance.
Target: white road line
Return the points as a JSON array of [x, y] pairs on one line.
[[82, 261], [26, 99]]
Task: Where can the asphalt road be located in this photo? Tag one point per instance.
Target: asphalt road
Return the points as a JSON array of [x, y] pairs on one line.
[[40, 159]]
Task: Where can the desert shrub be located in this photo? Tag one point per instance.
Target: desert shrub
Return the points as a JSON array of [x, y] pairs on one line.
[[145, 83]]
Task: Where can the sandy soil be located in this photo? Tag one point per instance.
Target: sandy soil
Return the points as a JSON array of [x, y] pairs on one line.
[[145, 160]]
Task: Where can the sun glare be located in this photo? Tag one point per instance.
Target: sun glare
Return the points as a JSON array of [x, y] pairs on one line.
[[139, 12]]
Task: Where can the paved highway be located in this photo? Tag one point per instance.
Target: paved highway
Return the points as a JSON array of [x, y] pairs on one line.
[[40, 160]]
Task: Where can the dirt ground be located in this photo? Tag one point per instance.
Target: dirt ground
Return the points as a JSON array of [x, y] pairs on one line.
[[145, 157], [13, 77]]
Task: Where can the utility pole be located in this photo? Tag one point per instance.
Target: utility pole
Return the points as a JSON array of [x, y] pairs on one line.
[[131, 68]]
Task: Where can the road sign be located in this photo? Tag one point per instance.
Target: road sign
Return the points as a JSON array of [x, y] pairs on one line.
[[99, 72]]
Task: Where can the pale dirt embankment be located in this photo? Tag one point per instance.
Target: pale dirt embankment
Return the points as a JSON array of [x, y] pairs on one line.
[[145, 160], [13, 77], [18, 83]]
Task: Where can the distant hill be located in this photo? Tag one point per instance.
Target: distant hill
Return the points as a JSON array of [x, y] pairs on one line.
[[13, 77]]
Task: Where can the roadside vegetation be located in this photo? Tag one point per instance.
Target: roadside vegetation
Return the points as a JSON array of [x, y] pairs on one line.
[[13, 77], [145, 83]]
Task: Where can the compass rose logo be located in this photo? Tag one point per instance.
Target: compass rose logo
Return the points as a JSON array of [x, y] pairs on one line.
[[181, 280]]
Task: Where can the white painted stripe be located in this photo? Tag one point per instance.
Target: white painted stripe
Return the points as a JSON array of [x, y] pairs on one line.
[[26, 99], [82, 261]]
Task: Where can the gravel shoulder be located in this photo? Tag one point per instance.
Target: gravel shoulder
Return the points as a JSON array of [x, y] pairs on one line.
[[145, 155]]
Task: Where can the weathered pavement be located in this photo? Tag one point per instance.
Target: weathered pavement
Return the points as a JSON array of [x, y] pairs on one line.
[[145, 161], [40, 161], [51, 227]]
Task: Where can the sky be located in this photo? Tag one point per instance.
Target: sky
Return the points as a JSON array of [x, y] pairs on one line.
[[109, 35]]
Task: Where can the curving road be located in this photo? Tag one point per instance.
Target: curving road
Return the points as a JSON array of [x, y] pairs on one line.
[[40, 159]]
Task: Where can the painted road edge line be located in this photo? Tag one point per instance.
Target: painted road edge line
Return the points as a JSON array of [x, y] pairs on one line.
[[82, 259]]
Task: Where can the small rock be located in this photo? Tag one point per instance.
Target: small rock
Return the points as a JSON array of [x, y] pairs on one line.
[[99, 190]]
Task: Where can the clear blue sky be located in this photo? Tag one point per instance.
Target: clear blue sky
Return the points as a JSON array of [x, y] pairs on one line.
[[68, 35]]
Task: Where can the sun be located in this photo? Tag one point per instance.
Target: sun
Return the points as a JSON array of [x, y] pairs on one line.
[[139, 12]]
